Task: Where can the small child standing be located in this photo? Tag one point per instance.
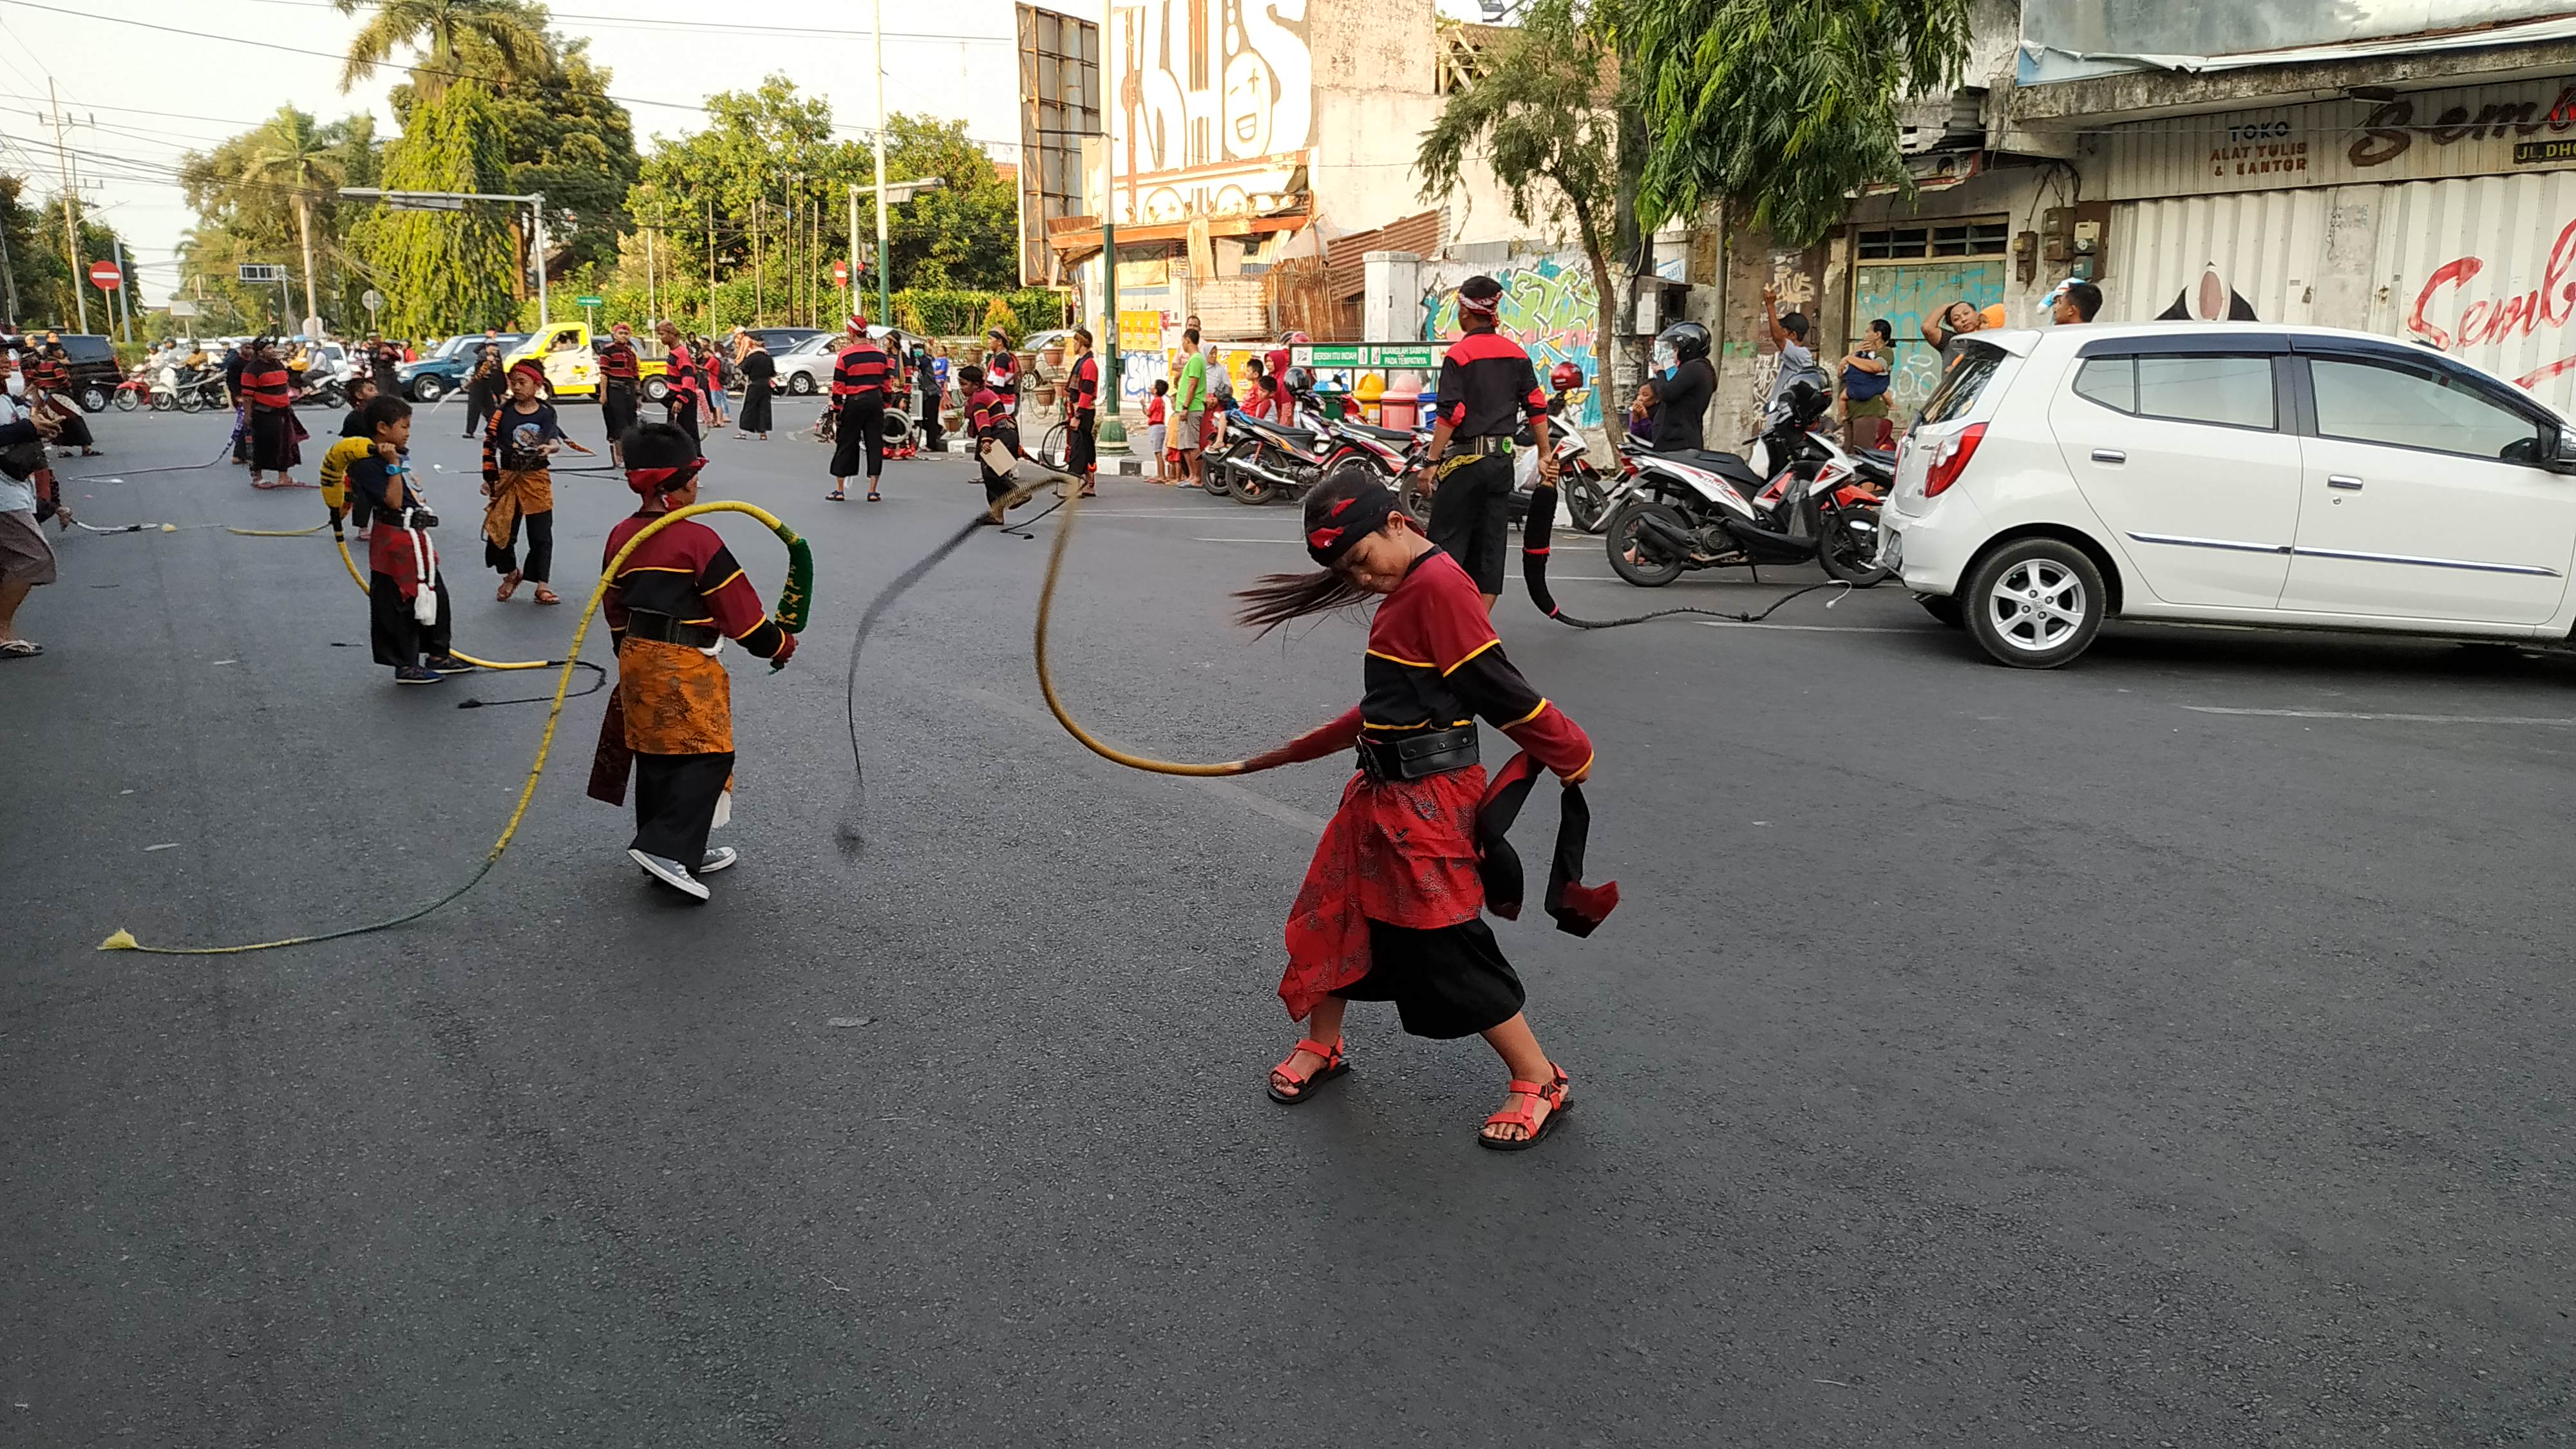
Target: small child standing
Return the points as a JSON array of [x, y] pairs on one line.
[[407, 603], [355, 442], [1154, 410], [520, 436]]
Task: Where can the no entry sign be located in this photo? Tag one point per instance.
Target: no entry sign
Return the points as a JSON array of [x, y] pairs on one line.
[[840, 274], [105, 276]]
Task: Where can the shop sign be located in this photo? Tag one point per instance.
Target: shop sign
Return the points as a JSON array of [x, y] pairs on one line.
[[1377, 355]]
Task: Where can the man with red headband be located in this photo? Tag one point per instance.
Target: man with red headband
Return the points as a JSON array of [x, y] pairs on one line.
[[620, 374], [860, 382], [672, 604], [1486, 385]]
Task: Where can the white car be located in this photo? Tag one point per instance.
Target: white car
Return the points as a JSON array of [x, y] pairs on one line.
[[2230, 472]]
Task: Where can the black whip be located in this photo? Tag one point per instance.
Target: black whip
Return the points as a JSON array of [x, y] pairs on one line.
[[850, 837], [1534, 551], [120, 477], [544, 698]]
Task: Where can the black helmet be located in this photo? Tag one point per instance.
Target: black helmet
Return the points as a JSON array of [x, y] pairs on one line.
[[1299, 379], [1687, 340]]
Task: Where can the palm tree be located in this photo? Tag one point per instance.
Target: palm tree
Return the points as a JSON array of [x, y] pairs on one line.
[[435, 28], [294, 154]]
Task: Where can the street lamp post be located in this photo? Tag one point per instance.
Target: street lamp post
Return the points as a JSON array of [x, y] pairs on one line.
[[1110, 436], [535, 202]]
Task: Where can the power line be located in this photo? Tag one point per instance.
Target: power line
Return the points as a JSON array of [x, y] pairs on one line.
[[640, 22]]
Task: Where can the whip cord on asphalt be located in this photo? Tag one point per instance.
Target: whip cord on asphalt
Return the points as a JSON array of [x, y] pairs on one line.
[[1535, 532]]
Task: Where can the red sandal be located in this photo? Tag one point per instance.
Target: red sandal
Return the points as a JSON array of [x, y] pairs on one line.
[[1523, 1113], [1334, 1065]]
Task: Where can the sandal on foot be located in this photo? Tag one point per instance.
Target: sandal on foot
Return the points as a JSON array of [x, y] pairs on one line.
[[836, 496], [509, 586], [1334, 1065], [875, 497], [1527, 1097], [20, 649], [548, 596]]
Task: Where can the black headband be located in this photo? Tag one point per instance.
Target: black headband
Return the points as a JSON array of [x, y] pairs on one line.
[[1348, 521]]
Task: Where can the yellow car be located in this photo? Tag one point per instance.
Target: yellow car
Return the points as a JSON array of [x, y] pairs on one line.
[[565, 350]]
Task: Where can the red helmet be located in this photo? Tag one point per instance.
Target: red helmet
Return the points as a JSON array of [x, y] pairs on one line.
[[1565, 377]]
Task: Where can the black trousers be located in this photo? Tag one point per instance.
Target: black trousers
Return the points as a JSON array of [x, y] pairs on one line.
[[754, 417], [617, 409], [860, 436], [479, 402], [998, 485], [684, 412], [1445, 983], [675, 803], [541, 548], [1082, 441], [398, 638], [1471, 518], [930, 440]]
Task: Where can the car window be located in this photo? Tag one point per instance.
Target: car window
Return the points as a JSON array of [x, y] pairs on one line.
[[2403, 408], [1965, 381], [2110, 381], [2236, 391]]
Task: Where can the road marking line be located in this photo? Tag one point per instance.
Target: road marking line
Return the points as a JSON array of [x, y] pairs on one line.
[[2467, 719]]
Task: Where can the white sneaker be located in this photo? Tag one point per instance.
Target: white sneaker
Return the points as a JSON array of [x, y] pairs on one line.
[[719, 857], [670, 873]]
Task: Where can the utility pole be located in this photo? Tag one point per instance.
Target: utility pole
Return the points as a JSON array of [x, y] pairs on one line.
[[536, 209], [1111, 437], [71, 225], [9, 274], [652, 309], [711, 266], [885, 258], [124, 290], [851, 300], [759, 300]]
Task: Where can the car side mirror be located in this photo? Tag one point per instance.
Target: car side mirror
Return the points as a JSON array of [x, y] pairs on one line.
[[2563, 460]]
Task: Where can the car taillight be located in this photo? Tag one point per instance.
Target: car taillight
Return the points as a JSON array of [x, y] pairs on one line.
[[1952, 459]]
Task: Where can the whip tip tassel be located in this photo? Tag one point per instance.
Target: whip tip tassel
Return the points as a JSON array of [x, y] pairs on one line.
[[120, 940]]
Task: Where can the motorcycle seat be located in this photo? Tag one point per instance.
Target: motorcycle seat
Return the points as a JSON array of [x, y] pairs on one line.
[[1884, 457], [1300, 438], [1700, 458], [1383, 435]]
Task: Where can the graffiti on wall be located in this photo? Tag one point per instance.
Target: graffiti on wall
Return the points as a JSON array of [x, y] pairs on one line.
[[1551, 309], [1215, 97], [2449, 296], [1906, 294]]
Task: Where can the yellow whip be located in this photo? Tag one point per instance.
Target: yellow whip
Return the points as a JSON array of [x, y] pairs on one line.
[[124, 940], [1046, 681]]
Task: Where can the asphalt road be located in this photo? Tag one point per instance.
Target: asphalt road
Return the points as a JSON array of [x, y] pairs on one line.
[[2172, 1050]]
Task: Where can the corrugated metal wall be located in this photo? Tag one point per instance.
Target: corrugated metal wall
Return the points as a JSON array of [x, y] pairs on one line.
[[2465, 264]]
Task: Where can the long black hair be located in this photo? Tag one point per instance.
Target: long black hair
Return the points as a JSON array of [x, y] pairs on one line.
[[1274, 599]]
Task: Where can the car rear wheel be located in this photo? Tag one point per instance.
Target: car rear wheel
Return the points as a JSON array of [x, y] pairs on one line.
[[93, 398], [429, 387], [800, 384], [2035, 603]]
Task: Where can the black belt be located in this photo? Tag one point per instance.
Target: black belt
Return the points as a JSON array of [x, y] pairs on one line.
[[1419, 753], [624, 382], [1499, 445], [646, 624]]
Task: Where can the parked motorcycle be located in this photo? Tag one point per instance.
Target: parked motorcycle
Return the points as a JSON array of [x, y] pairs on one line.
[[1579, 483], [1680, 511], [134, 392]]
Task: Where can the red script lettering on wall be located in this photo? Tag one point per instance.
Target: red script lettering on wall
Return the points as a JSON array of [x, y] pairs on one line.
[[2485, 320]]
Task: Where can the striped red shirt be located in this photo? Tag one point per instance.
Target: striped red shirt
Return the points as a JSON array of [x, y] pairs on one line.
[[617, 362], [682, 370], [860, 370], [264, 385]]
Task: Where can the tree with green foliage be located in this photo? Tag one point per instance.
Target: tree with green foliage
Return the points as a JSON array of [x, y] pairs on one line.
[[1782, 109], [965, 234], [270, 190], [42, 279], [567, 140], [297, 157], [1542, 116], [440, 30], [444, 271]]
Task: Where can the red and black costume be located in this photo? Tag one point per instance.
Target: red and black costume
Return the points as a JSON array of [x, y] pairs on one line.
[[860, 382], [1389, 908], [673, 602], [1487, 386], [680, 371], [993, 422], [268, 400], [619, 378], [402, 564], [1082, 417]]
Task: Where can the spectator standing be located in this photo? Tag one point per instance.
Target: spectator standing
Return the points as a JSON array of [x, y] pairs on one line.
[[2074, 303], [757, 370], [1866, 374], [1154, 407], [1955, 322], [26, 496], [1797, 357], [1082, 415], [1189, 405]]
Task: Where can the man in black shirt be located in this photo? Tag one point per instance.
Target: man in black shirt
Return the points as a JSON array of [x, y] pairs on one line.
[[235, 359], [1486, 386]]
